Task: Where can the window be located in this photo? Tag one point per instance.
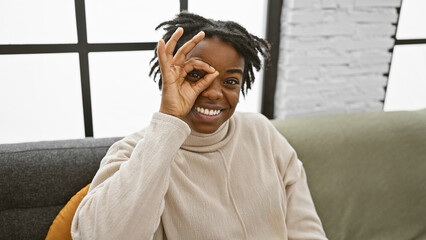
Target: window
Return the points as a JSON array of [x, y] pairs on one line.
[[75, 68], [406, 88], [37, 22], [40, 97]]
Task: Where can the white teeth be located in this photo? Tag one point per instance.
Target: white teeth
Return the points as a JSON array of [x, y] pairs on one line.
[[210, 112]]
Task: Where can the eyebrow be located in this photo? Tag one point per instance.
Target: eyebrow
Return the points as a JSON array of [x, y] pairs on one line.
[[235, 70]]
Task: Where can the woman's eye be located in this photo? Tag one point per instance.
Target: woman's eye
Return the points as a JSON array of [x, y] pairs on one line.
[[232, 81], [194, 75]]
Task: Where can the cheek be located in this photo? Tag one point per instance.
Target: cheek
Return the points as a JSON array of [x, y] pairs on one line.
[[234, 97]]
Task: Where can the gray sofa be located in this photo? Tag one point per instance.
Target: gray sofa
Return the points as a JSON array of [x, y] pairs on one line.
[[37, 179], [367, 175]]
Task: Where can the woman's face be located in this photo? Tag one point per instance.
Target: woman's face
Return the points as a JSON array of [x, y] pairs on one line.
[[217, 103]]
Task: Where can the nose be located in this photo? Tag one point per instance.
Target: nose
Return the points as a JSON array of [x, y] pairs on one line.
[[214, 91]]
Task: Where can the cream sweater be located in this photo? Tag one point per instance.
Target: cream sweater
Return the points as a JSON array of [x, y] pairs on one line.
[[242, 182]]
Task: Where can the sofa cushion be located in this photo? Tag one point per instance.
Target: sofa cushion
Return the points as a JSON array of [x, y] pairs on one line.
[[37, 179], [27, 223], [366, 172]]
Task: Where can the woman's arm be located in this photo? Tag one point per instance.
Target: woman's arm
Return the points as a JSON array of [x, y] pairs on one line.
[[301, 217], [126, 198]]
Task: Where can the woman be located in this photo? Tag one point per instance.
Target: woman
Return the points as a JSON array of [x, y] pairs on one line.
[[199, 171]]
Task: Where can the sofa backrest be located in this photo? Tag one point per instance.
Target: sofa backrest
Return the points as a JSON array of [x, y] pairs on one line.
[[366, 172], [37, 180]]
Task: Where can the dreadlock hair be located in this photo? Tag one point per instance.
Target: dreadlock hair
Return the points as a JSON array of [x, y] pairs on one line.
[[246, 44]]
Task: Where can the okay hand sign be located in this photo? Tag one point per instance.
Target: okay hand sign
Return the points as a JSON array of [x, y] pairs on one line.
[[178, 94]]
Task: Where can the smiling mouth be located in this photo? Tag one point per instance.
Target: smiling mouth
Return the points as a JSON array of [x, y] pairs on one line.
[[208, 112]]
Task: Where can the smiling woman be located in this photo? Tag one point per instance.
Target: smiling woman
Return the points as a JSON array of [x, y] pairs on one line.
[[216, 103], [200, 170]]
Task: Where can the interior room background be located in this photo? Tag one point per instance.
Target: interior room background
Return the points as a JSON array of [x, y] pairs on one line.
[[329, 57]]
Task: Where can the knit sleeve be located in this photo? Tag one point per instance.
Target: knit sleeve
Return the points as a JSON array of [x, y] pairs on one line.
[[126, 197], [302, 220]]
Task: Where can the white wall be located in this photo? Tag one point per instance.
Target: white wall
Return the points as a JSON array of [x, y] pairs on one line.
[[333, 54]]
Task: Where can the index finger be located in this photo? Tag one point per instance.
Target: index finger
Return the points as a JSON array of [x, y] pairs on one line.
[[180, 56], [171, 44], [165, 50]]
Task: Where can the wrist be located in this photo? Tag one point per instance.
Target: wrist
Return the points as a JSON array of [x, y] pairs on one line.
[[170, 113]]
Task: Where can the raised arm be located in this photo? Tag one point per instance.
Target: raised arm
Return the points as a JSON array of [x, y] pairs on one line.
[[126, 197]]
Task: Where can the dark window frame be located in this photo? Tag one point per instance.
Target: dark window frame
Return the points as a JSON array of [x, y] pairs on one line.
[[83, 48], [270, 74], [399, 42]]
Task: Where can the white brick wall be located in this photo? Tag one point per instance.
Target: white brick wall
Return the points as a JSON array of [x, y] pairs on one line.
[[333, 54]]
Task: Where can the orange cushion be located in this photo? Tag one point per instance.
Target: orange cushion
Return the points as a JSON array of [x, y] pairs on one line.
[[61, 226]]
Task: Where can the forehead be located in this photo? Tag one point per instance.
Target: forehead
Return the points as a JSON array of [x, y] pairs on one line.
[[217, 53]]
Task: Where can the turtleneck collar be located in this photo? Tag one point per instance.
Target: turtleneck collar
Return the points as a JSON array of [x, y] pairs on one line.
[[210, 142]]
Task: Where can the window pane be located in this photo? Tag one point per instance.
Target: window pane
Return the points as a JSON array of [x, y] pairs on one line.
[[407, 81], [412, 20], [127, 20], [40, 97], [34, 22], [124, 97], [251, 15]]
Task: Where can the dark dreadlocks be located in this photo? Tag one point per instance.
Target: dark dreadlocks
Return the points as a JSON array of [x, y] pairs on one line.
[[246, 44]]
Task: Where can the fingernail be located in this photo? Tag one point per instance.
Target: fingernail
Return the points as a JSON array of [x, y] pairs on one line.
[[212, 68]]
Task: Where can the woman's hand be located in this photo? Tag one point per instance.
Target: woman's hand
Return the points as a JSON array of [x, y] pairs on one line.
[[178, 94]]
